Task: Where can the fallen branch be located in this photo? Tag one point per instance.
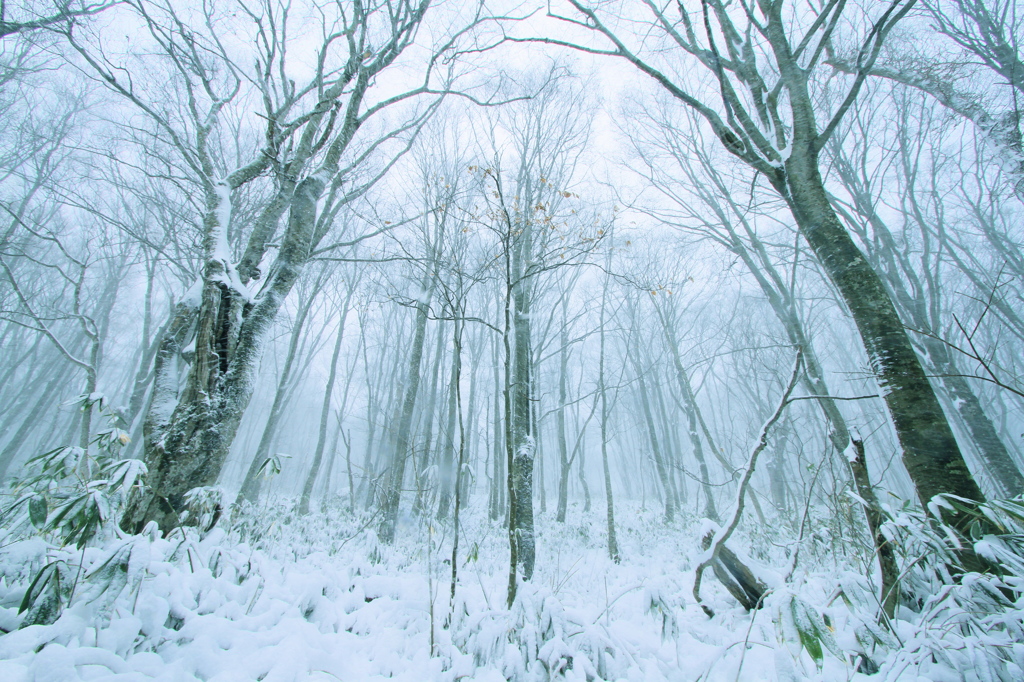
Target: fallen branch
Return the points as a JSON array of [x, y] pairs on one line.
[[717, 544]]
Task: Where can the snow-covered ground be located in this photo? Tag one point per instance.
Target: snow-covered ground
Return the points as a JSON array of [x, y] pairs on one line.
[[282, 598]]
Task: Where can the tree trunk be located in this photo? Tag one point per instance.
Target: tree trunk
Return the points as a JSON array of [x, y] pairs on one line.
[[446, 450], [873, 511], [690, 409], [473, 442], [427, 450], [325, 410], [659, 463], [498, 508], [32, 419], [613, 543], [671, 444], [736, 576], [253, 482], [582, 474], [563, 396], [187, 449], [392, 496], [930, 451], [998, 463], [919, 303], [460, 463], [523, 442]]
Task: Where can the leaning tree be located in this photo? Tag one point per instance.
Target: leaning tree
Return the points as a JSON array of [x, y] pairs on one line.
[[770, 108]]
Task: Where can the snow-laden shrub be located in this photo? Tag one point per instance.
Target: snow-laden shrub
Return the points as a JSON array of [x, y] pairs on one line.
[[71, 496], [967, 626], [537, 640]]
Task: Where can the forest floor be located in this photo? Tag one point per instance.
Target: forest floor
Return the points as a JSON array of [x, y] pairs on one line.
[[281, 598]]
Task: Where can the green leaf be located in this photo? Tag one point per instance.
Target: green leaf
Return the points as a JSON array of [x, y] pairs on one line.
[[808, 631], [46, 596], [111, 576], [961, 507], [37, 511]]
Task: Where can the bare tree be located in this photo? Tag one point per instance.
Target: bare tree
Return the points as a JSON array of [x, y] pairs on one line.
[[30, 17], [983, 46], [764, 59], [318, 163], [321, 443]]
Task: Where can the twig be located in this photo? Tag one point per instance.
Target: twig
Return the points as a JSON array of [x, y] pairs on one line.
[[723, 533]]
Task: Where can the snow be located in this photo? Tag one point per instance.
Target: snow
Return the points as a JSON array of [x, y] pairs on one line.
[[851, 453], [222, 251], [194, 296], [278, 597]]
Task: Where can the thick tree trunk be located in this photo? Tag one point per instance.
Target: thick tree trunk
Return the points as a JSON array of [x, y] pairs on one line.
[[918, 301], [998, 462], [930, 451], [187, 448], [523, 435], [782, 303]]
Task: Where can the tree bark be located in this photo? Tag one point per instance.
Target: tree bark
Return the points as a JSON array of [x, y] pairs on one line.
[[523, 435], [188, 449], [447, 452], [930, 451], [613, 543], [691, 410], [736, 576], [499, 483], [563, 448], [427, 417], [873, 511], [32, 419]]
